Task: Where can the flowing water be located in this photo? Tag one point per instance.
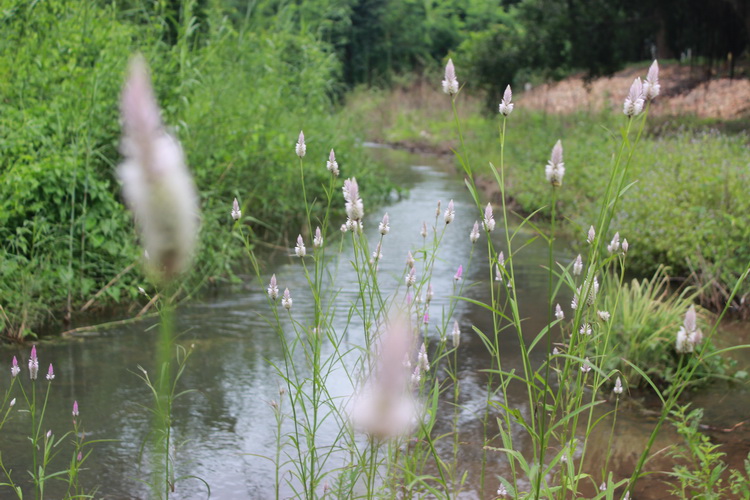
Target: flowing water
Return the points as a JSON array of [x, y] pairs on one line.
[[226, 426]]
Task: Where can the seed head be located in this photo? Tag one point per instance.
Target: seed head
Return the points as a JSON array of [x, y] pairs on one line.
[[423, 231], [506, 107], [603, 315], [592, 235], [300, 148], [428, 296], [450, 84], [12, 403], [625, 245]]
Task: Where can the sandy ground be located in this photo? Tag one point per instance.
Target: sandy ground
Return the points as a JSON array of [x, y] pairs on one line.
[[684, 90]]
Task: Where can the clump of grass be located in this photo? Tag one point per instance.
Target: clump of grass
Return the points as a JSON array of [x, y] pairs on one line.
[[648, 313]]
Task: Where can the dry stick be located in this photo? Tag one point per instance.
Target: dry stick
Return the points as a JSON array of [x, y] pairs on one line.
[[107, 286], [147, 306], [105, 326]]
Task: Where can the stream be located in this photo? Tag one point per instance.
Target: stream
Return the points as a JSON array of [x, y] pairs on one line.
[[226, 425]]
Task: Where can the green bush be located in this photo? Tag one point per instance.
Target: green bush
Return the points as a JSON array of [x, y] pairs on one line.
[[236, 98]]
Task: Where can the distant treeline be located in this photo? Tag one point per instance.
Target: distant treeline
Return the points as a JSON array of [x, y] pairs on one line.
[[513, 41]]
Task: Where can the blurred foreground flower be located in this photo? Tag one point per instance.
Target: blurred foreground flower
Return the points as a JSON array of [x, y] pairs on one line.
[[156, 184], [384, 407]]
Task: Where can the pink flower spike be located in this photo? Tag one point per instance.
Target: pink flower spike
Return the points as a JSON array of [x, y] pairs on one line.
[[50, 373], [459, 273], [75, 408], [14, 369], [33, 364], [426, 318]]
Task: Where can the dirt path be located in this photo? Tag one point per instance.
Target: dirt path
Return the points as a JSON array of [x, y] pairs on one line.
[[684, 90]]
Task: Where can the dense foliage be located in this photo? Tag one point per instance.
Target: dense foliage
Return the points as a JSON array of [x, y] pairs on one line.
[[236, 97]]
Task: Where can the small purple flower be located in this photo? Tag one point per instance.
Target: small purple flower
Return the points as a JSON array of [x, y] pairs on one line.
[[14, 369], [50, 373], [459, 273], [426, 318], [75, 408]]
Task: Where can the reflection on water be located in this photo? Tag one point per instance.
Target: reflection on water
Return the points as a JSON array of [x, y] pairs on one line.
[[226, 424]]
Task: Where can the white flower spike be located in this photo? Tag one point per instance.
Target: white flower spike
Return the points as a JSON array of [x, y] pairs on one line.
[[450, 84], [555, 169], [506, 107], [450, 213], [332, 165], [236, 212], [300, 148], [651, 87], [633, 104]]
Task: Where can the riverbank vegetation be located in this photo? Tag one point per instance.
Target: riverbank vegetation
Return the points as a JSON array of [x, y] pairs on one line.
[[237, 96], [239, 80], [687, 170]]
